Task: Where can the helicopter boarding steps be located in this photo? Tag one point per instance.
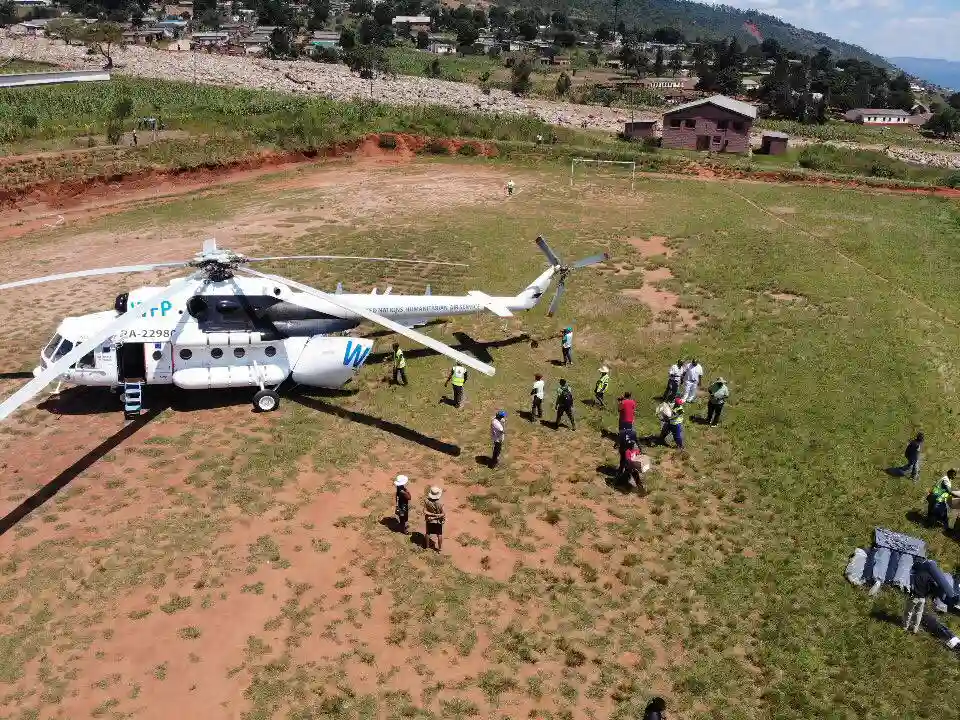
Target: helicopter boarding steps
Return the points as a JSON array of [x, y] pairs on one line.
[[132, 399]]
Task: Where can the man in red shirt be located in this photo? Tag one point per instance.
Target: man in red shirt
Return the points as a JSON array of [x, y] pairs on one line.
[[628, 408]]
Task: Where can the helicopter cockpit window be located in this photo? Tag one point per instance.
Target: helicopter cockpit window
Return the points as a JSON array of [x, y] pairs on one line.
[[87, 361], [51, 346], [65, 347]]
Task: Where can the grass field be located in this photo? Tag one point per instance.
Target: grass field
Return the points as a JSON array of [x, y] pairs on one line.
[[215, 562]]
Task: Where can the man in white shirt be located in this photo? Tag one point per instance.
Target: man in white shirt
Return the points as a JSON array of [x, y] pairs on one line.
[[497, 433], [691, 381], [539, 388], [674, 374]]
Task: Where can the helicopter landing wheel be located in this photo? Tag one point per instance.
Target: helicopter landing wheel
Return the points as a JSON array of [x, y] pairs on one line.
[[266, 401]]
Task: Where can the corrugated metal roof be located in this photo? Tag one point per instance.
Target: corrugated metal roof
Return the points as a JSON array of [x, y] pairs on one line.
[[727, 103], [857, 112], [775, 134]]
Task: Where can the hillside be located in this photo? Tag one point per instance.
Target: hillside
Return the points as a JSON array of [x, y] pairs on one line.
[[697, 19], [945, 73]]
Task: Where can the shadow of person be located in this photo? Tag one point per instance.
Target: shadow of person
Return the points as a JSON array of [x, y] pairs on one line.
[[418, 539], [525, 415], [894, 471], [698, 419], [917, 518], [483, 460], [391, 523]]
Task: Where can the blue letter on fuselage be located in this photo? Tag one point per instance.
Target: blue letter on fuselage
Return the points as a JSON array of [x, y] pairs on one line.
[[355, 354]]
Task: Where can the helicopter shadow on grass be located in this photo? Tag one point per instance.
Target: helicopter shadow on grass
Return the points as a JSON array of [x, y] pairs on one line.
[[318, 403], [465, 343], [64, 478]]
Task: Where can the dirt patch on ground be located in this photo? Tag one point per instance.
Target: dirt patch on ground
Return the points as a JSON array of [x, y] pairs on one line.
[[782, 210], [785, 297], [653, 246], [667, 313]]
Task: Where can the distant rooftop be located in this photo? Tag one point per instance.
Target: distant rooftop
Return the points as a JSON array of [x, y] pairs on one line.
[[727, 103]]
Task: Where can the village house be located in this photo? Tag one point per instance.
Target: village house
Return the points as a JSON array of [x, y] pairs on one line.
[[218, 39], [640, 129], [411, 24], [717, 123], [325, 39], [875, 116], [774, 143]]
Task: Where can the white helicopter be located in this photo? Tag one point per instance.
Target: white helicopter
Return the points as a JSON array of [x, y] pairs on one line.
[[227, 325]]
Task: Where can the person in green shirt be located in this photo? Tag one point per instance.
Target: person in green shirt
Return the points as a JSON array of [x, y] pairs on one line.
[[399, 366], [603, 383], [719, 392]]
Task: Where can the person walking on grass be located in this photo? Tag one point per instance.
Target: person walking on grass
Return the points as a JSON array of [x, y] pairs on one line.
[[458, 378], [399, 366], [719, 392], [922, 586], [434, 517], [691, 381], [566, 345], [912, 454], [603, 382], [564, 404], [511, 186], [672, 419], [497, 434], [536, 396], [403, 502], [628, 410], [674, 375]]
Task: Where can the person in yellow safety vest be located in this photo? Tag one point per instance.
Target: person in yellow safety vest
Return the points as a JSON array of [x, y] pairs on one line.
[[673, 424], [938, 501], [602, 384], [458, 378], [399, 366]]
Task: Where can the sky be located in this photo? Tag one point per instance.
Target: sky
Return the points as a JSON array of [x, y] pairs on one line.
[[891, 28]]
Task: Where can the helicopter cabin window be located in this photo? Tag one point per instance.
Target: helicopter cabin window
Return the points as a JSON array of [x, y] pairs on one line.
[[216, 353], [270, 351], [157, 354], [186, 354], [239, 352]]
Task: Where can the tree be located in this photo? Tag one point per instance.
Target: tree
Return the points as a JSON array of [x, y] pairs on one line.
[[676, 61], [945, 123], [527, 30], [348, 39], [8, 13], [603, 33], [901, 96], [319, 14], [467, 34], [954, 101], [68, 29], [668, 36], [565, 38], [479, 18], [118, 113], [520, 76], [771, 48], [434, 69], [563, 84], [103, 38], [423, 40], [384, 13], [361, 7], [498, 16], [280, 45], [368, 31], [593, 57], [560, 21], [659, 66]]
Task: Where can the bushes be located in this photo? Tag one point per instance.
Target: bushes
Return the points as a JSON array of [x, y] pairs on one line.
[[437, 147], [467, 150], [952, 180], [844, 161]]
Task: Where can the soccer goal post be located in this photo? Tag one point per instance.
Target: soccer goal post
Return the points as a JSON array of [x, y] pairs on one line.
[[574, 162]]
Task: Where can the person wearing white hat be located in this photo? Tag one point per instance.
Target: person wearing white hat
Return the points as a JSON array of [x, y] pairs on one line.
[[403, 502], [434, 517], [603, 382], [938, 500]]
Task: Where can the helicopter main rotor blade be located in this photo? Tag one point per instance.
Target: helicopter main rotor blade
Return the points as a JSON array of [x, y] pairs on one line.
[[551, 256], [592, 260], [357, 257], [93, 272], [56, 369], [338, 301], [555, 303]]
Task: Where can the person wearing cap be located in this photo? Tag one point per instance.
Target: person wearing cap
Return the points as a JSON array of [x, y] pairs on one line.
[[938, 500], [564, 405], [673, 425], [497, 433], [719, 392], [536, 394], [602, 383], [566, 345], [399, 366], [403, 502], [434, 517], [674, 375]]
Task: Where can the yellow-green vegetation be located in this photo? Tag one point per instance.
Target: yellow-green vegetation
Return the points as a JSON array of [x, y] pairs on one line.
[[833, 314]]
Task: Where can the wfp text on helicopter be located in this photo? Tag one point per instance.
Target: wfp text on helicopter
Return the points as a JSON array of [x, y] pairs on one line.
[[227, 325]]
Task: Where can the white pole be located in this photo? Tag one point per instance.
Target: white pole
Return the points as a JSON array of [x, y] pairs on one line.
[[572, 163]]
